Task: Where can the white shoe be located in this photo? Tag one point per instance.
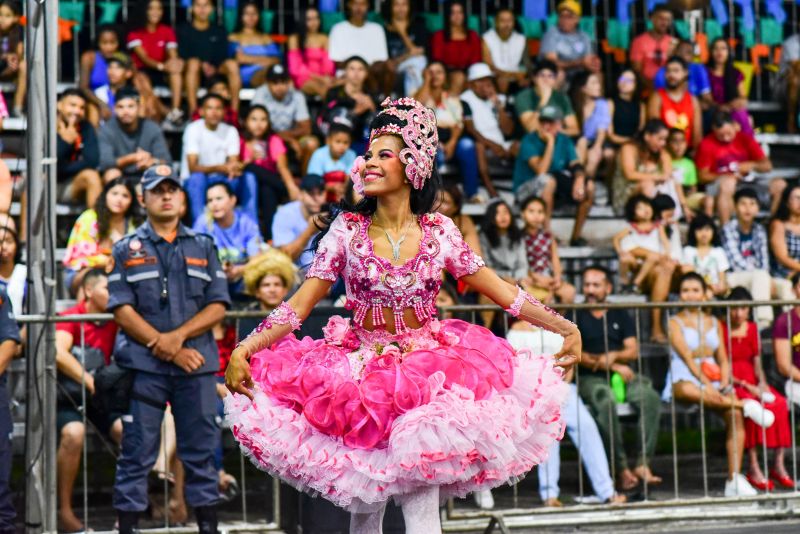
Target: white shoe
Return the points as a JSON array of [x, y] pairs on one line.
[[759, 415], [792, 389], [738, 486], [484, 499], [767, 397]]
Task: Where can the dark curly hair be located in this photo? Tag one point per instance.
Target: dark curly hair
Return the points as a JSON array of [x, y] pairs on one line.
[[635, 200], [702, 220], [104, 214]]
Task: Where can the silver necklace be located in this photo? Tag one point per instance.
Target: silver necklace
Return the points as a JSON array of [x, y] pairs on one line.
[[396, 244]]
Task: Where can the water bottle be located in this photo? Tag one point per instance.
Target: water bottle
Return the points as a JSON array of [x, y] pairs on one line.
[[618, 387]]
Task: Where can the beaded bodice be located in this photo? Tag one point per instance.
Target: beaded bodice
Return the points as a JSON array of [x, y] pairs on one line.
[[374, 283]]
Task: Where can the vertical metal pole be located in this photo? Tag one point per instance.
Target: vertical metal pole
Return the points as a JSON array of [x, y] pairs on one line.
[[639, 371], [612, 412], [577, 400], [791, 403], [701, 335], [673, 422], [85, 427], [763, 429], [92, 20], [173, 13], [40, 420], [167, 466]]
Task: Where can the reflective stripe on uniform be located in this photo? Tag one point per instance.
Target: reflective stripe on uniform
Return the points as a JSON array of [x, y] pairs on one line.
[[142, 276], [198, 274]]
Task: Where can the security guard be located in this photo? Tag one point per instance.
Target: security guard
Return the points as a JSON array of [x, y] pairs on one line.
[[167, 289], [9, 341]]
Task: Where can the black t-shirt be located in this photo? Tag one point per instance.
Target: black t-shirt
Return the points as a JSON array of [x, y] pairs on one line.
[[417, 33], [620, 327], [210, 45]]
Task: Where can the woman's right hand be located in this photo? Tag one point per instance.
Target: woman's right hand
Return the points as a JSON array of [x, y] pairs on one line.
[[237, 376], [570, 352]]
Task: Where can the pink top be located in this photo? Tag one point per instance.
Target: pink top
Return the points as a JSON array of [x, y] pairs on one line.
[[263, 153], [373, 283], [303, 65]]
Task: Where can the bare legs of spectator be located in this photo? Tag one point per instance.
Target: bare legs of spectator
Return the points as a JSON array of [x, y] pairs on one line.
[[776, 188], [792, 89], [192, 73], [483, 168], [151, 106], [22, 86], [727, 188], [584, 206], [169, 466], [6, 188], [230, 69], [176, 87], [590, 156], [659, 281], [87, 184]]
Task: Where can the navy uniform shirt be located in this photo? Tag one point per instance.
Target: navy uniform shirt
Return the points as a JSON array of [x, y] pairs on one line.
[[8, 326], [143, 266]]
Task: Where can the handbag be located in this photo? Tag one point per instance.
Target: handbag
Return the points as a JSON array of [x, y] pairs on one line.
[[711, 370], [70, 391]]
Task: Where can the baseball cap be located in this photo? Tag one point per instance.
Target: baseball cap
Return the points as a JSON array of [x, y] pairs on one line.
[[570, 5], [478, 71], [311, 182], [550, 113], [157, 174], [123, 59], [277, 73], [127, 92]]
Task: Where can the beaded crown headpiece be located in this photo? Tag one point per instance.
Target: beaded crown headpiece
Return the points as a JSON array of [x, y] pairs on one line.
[[419, 134]]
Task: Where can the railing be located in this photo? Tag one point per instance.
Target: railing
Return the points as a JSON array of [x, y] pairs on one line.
[[683, 501]]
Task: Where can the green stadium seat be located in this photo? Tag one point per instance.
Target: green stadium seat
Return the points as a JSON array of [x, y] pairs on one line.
[[329, 19], [73, 11], [108, 11], [433, 21], [713, 29], [771, 31], [230, 14], [531, 29], [588, 25]]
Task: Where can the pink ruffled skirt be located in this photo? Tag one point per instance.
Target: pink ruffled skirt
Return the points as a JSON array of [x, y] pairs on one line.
[[360, 417]]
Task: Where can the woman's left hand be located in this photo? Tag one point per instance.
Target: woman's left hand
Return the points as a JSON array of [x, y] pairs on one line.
[[570, 352]]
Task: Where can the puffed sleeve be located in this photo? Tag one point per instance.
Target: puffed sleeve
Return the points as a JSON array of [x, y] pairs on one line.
[[330, 256], [459, 259]]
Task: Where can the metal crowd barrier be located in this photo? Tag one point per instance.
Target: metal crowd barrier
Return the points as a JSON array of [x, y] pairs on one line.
[[521, 512]]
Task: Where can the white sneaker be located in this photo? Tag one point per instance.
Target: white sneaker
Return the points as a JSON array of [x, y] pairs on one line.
[[738, 486], [760, 416], [793, 391], [768, 397], [484, 499]]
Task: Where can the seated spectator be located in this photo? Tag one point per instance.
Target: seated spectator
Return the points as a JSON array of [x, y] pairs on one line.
[[94, 68], [453, 144], [235, 233], [451, 204], [699, 371], [705, 256], [97, 229], [488, 122], [99, 343], [787, 351], [204, 48], [650, 50], [335, 156], [547, 166], [727, 85], [294, 225], [13, 273], [288, 113], [566, 45], [675, 105], [211, 154], [353, 101], [698, 80], [787, 84], [407, 40], [529, 102], [77, 150], [456, 46], [641, 246], [750, 382], [505, 50], [726, 158], [154, 47], [253, 49], [541, 249], [616, 352], [219, 86], [747, 249], [683, 168], [129, 144], [626, 110], [263, 154], [594, 118], [311, 69], [784, 234], [12, 36], [357, 36], [446, 297], [664, 208], [268, 278], [120, 73]]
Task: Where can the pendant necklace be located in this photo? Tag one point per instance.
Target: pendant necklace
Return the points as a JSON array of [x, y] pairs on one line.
[[396, 244]]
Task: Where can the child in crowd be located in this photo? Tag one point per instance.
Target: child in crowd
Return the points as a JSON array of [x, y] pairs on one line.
[[119, 72], [664, 207], [219, 86], [640, 246], [699, 371], [541, 250], [12, 54], [684, 169], [705, 255], [336, 155]]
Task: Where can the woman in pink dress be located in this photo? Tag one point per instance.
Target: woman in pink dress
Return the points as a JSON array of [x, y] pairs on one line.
[[394, 403], [310, 67]]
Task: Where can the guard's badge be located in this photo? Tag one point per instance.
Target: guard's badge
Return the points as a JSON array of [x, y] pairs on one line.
[[163, 170]]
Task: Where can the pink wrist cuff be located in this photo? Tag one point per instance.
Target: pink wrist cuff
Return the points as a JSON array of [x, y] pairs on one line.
[[283, 314]]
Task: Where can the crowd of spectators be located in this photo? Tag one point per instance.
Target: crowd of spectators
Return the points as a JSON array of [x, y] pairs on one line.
[[672, 143]]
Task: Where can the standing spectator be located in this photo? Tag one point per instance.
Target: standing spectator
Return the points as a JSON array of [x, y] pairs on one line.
[[750, 382], [253, 49], [698, 80], [294, 224], [456, 46], [726, 158], [594, 119], [787, 85], [310, 67], [487, 121], [566, 45], [204, 47], [13, 273], [541, 249], [77, 150], [211, 154], [705, 256], [9, 343], [650, 50], [357, 36], [547, 165], [727, 85], [90, 343], [12, 52], [129, 144], [626, 110], [675, 105], [335, 156], [407, 40], [97, 229], [529, 102], [787, 351], [747, 248], [784, 234], [155, 53], [353, 100], [505, 50], [451, 205], [235, 234], [288, 113], [615, 353]]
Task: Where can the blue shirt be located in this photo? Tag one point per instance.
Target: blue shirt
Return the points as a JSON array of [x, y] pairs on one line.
[[699, 84], [287, 225], [236, 244], [9, 330], [533, 146], [321, 161]]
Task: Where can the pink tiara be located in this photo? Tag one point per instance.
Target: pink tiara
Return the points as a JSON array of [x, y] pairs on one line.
[[419, 134]]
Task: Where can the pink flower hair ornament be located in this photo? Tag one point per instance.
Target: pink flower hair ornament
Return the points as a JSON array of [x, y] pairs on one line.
[[357, 174], [419, 134]]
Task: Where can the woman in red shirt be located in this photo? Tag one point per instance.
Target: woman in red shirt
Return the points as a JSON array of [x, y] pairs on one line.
[[750, 381], [456, 46]]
